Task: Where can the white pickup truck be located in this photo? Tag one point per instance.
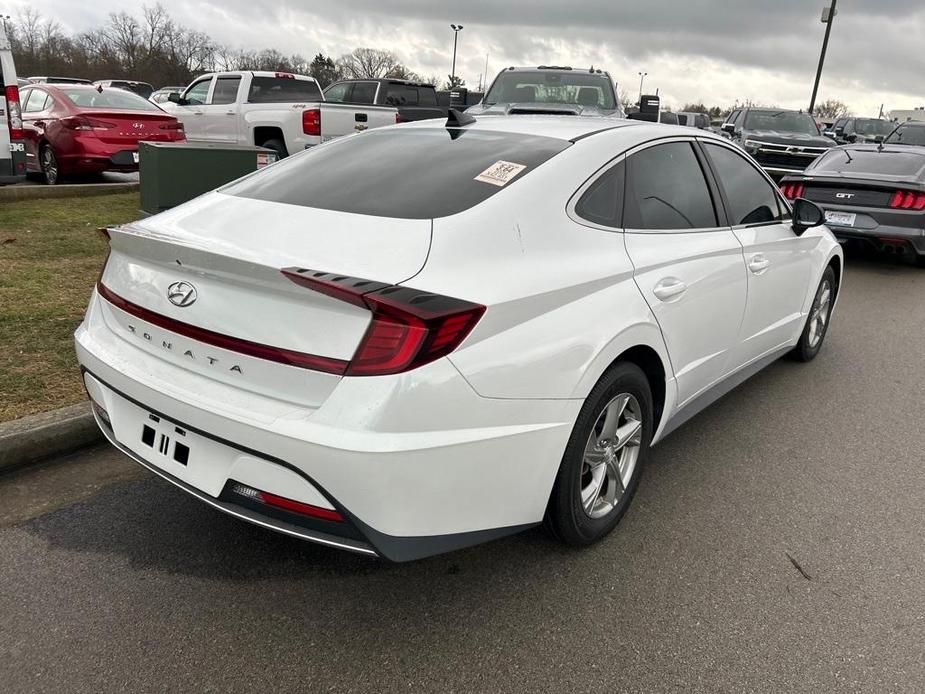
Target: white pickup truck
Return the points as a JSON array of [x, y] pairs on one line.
[[278, 110]]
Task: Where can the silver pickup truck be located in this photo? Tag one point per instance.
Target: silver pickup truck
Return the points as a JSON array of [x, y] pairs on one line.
[[278, 110]]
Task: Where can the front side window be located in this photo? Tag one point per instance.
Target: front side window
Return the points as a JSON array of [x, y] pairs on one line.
[[337, 92], [196, 95], [666, 189], [602, 202], [226, 90], [751, 199]]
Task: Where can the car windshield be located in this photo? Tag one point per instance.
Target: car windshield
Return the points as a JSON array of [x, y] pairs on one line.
[[574, 88], [111, 98], [419, 173], [784, 121], [908, 135], [872, 126], [887, 162]]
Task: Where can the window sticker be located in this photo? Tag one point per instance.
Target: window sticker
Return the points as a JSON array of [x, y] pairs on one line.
[[500, 173]]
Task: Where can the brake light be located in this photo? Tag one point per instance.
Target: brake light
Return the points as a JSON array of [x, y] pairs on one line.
[[285, 76], [907, 200], [399, 119], [14, 113], [85, 124], [792, 191], [311, 122], [172, 126], [409, 327]]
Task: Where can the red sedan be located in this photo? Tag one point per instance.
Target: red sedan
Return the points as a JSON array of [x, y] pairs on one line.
[[75, 128]]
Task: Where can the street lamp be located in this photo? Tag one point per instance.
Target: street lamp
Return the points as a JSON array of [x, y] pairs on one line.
[[828, 17], [642, 77], [456, 29]]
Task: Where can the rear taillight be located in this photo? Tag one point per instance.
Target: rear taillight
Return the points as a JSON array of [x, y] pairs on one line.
[[409, 327], [907, 200], [399, 119], [85, 124], [792, 191], [14, 113], [171, 126], [285, 504], [311, 122]]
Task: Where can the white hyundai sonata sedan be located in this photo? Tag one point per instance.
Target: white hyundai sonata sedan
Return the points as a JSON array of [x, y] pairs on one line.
[[427, 336]]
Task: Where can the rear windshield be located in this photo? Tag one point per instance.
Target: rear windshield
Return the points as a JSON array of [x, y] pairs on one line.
[[582, 88], [784, 121], [107, 97], [411, 173], [887, 163], [908, 135], [282, 90]]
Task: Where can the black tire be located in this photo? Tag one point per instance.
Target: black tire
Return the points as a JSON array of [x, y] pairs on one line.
[[811, 339], [566, 516], [277, 146], [51, 173]]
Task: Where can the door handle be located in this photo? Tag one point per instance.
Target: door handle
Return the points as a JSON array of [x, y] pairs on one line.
[[758, 264], [669, 288], [229, 113], [197, 113], [38, 123]]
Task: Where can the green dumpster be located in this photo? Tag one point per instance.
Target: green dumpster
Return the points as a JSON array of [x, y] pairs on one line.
[[174, 172]]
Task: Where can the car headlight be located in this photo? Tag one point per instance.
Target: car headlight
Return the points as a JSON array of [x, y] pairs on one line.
[[752, 145]]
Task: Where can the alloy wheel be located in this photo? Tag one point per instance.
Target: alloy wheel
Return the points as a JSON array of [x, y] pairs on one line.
[[49, 166], [610, 455], [819, 315]]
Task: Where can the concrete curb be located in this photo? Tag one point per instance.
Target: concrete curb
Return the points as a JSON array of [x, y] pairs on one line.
[[29, 439], [65, 191]]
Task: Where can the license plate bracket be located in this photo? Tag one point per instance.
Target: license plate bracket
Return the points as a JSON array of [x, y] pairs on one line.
[[841, 219], [166, 439]]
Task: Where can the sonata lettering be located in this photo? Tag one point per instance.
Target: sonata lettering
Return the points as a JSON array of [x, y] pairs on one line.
[[168, 345]]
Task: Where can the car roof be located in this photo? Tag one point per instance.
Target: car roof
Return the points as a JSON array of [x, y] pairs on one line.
[[566, 127]]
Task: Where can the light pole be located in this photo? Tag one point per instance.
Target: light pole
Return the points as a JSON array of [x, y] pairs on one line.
[[642, 77], [456, 29], [828, 16]]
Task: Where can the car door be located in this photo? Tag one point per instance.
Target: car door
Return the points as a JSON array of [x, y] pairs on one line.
[[219, 117], [778, 262], [688, 262], [190, 113], [36, 104]]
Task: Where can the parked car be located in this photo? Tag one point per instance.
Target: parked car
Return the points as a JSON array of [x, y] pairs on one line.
[[284, 112], [483, 332], [694, 120], [783, 142], [58, 80], [851, 130], [142, 89], [550, 90], [872, 194], [161, 95], [12, 149], [78, 129], [413, 100], [669, 118]]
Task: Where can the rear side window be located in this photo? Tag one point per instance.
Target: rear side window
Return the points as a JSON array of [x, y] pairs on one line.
[[363, 92], [405, 173], [602, 202], [226, 90], [337, 92], [750, 197], [282, 90], [666, 190], [37, 101]]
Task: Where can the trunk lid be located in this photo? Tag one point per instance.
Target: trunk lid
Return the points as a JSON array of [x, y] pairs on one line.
[[230, 251], [131, 127]]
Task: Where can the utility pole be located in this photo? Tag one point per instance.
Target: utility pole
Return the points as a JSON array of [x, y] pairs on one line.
[[456, 29], [828, 17], [642, 77]]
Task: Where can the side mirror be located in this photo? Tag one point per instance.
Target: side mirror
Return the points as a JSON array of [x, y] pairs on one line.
[[852, 138], [839, 132], [729, 128], [878, 138], [806, 215], [175, 98]]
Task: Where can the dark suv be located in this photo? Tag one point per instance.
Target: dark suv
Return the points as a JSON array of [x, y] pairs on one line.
[[851, 130], [783, 142]]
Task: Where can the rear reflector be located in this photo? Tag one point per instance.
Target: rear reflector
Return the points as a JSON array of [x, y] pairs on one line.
[[285, 504], [907, 200], [792, 191], [311, 122], [14, 113], [409, 327], [232, 344]]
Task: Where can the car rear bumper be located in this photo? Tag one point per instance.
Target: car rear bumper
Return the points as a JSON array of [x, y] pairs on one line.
[[870, 225], [404, 491]]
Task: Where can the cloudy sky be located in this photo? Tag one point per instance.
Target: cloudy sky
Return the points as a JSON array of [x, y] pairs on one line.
[[716, 51]]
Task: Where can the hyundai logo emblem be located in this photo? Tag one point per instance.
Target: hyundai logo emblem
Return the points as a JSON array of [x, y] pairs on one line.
[[181, 294]]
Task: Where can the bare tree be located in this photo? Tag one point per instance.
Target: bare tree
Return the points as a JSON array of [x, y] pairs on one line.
[[832, 109], [367, 63]]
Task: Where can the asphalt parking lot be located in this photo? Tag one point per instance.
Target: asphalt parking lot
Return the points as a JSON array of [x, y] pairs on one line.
[[776, 544]]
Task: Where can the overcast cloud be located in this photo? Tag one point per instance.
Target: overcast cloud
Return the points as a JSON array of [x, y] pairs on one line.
[[715, 51]]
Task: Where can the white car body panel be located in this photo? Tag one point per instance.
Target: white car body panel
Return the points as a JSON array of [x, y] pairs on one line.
[[467, 447]]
